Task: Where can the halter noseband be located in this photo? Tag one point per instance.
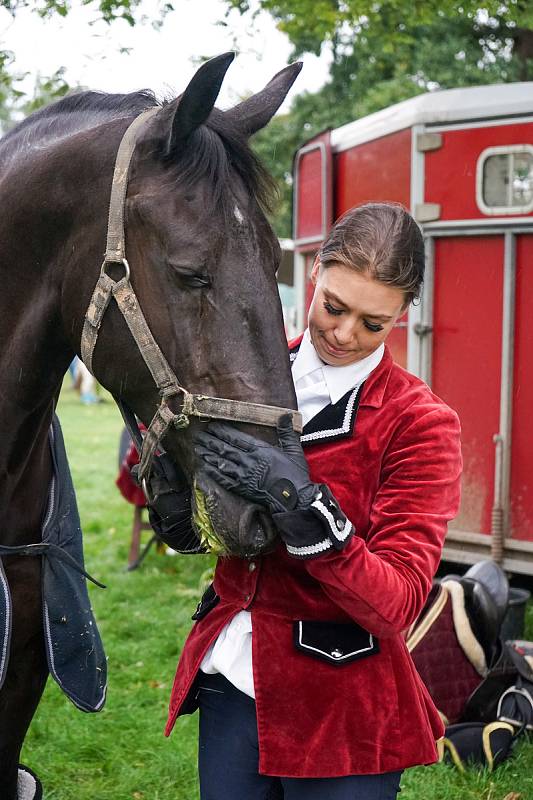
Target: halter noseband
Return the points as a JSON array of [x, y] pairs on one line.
[[193, 405]]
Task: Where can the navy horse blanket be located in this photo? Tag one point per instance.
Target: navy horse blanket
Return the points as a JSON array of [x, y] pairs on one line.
[[74, 649]]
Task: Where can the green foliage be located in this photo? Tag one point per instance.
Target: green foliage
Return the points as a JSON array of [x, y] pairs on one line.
[[385, 52], [108, 10], [14, 104], [310, 23]]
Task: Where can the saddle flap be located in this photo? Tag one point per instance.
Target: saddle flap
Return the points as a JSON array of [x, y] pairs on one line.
[[437, 653]]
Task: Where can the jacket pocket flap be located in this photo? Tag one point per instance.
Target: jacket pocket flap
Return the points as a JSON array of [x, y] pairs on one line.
[[335, 642]]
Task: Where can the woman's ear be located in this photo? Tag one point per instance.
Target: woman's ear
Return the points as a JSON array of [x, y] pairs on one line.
[[315, 270]]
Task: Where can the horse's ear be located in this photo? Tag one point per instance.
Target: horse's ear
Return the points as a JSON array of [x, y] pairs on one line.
[[253, 114], [198, 99]]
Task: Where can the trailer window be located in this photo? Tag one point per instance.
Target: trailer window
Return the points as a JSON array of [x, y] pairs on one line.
[[504, 182]]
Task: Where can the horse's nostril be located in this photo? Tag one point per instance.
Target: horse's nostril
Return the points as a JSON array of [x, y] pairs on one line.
[[256, 530]]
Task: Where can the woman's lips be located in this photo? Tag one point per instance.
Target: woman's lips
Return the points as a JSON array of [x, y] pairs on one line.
[[334, 351]]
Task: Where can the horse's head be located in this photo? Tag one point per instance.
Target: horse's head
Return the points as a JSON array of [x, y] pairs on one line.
[[203, 261]]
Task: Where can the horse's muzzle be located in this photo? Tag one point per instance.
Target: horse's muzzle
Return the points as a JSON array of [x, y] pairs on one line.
[[257, 533], [229, 525]]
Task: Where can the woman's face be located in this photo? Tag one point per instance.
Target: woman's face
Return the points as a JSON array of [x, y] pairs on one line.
[[351, 313]]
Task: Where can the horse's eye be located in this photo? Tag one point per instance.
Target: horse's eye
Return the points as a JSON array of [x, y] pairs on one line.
[[191, 279], [197, 281]]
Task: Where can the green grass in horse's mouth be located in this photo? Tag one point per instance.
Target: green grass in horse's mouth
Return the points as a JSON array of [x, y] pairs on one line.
[[204, 527]]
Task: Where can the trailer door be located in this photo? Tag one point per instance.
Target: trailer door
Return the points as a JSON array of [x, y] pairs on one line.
[[521, 467], [466, 359]]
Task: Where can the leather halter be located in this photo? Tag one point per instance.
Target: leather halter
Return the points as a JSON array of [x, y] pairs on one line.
[[193, 405]]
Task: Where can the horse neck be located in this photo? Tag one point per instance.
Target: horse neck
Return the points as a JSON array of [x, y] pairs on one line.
[[48, 227]]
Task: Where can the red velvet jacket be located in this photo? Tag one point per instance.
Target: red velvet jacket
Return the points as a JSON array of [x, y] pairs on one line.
[[336, 690]]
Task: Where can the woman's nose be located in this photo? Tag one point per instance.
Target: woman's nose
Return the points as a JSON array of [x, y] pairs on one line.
[[344, 333]]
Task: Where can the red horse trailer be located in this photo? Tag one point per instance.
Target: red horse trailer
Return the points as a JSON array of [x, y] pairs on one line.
[[462, 161]]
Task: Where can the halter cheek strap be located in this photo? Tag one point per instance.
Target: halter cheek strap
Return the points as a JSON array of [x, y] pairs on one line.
[[193, 405]]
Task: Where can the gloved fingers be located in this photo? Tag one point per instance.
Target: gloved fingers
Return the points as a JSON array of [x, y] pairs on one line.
[[224, 453], [225, 467], [219, 477], [284, 424], [204, 443], [233, 436], [289, 440]]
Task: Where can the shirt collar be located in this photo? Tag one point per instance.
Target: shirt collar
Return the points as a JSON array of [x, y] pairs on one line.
[[339, 380]]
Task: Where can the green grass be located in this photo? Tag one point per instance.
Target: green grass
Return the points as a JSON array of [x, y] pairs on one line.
[[144, 616]]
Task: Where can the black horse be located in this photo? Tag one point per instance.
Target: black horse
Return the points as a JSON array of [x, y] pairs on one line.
[[203, 259]]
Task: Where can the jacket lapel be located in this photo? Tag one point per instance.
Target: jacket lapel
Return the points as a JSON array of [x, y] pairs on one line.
[[337, 420]]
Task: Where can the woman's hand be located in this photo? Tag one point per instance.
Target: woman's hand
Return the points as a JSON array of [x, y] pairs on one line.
[[276, 477], [306, 514]]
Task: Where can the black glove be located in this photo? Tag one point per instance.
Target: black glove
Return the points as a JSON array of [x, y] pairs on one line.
[[168, 499], [306, 514]]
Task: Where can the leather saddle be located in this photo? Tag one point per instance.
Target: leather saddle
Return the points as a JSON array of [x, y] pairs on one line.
[[457, 634]]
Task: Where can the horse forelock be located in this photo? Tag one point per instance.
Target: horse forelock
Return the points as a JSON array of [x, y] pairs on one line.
[[216, 152]]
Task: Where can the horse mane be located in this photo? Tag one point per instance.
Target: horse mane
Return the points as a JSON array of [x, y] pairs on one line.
[[211, 152]]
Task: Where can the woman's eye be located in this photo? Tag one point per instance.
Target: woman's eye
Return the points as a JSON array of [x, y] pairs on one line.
[[373, 328], [329, 308]]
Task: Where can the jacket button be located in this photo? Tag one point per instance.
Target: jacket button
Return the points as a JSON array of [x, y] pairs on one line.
[[247, 597], [339, 524], [337, 653], [251, 566]]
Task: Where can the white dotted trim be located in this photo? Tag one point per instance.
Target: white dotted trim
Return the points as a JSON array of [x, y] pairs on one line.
[[8, 617], [340, 535], [292, 356], [311, 549], [345, 427]]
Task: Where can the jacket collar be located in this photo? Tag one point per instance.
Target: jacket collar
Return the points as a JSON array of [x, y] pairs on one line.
[[337, 420]]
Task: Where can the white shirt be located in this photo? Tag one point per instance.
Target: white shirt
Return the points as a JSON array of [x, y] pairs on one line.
[[317, 384]]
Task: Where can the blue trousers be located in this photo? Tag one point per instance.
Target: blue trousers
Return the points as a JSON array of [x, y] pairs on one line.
[[228, 757]]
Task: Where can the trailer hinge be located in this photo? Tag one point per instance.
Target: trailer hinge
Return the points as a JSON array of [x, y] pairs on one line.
[[428, 141], [422, 330], [427, 212]]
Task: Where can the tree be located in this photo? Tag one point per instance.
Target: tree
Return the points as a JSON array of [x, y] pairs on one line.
[[392, 24], [109, 10], [13, 102], [385, 52]]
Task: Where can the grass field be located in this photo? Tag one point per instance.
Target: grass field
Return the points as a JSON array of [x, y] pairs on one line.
[[121, 753]]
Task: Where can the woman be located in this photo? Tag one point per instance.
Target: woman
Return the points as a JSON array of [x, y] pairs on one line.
[[297, 659]]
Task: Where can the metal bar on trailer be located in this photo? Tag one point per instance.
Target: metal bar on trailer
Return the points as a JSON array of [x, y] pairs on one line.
[[473, 228], [299, 289], [424, 329], [506, 392], [414, 340]]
